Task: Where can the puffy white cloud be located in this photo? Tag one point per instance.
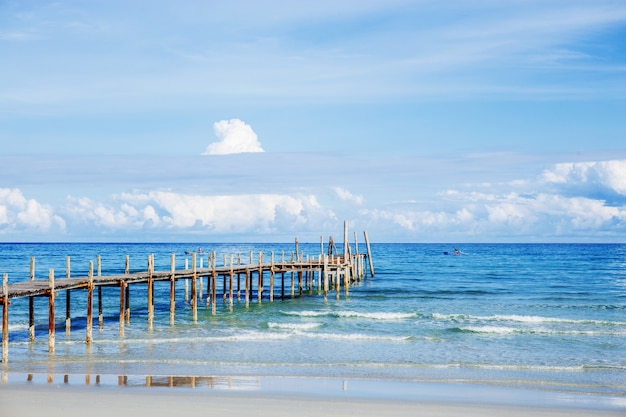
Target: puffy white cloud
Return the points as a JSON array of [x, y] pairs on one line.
[[18, 212], [234, 136], [609, 175]]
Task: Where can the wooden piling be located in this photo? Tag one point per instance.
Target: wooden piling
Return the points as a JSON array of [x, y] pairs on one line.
[[325, 273], [31, 304], [369, 253], [247, 288], [5, 318], [88, 332], [230, 285], [173, 288], [260, 283], [272, 277], [194, 290], [68, 303], [127, 295], [51, 311], [123, 285], [150, 294], [100, 318], [213, 282]]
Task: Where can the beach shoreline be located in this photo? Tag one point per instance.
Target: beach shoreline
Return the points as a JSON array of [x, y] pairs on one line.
[[95, 395]]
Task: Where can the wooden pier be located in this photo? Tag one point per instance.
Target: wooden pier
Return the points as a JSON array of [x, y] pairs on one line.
[[333, 272]]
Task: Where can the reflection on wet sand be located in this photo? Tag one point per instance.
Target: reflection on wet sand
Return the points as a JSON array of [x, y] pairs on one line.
[[214, 382]]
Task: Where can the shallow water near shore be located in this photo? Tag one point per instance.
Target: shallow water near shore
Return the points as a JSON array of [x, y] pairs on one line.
[[541, 317]]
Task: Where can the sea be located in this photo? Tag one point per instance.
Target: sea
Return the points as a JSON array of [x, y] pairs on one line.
[[545, 317]]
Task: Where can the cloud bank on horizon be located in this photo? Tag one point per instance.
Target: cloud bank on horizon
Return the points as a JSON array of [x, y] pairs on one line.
[[420, 121], [560, 204]]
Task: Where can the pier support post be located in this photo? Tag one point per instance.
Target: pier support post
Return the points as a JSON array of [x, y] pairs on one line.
[[260, 283], [100, 320], [213, 283], [127, 295], [68, 303], [247, 288], [88, 338], [194, 290], [150, 294], [369, 253], [325, 273], [272, 279], [338, 272], [31, 305], [5, 318], [51, 311], [230, 286], [123, 285], [173, 288]]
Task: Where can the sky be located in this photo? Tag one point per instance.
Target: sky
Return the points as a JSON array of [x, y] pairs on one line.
[[263, 121]]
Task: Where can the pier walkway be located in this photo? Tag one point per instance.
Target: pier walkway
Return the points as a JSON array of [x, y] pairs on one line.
[[323, 272]]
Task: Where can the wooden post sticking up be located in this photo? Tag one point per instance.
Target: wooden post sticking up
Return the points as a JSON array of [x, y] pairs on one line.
[[325, 273], [210, 262], [194, 290], [51, 311], [247, 289], [260, 284], [369, 253], [68, 304], [150, 294], [224, 280], [100, 320], [123, 285], [88, 338], [238, 277], [127, 297], [230, 285], [5, 317], [297, 250], [213, 283], [31, 305], [357, 271], [272, 276], [173, 288], [338, 280]]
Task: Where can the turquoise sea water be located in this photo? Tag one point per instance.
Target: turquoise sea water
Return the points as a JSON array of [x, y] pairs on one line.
[[549, 317]]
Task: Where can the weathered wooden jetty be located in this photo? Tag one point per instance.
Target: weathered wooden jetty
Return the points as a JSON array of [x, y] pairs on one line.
[[323, 273]]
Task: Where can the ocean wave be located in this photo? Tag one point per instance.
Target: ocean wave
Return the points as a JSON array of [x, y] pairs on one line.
[[294, 326], [525, 319], [357, 337], [353, 314], [501, 330]]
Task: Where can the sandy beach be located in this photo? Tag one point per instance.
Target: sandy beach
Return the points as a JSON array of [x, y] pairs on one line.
[[278, 397]]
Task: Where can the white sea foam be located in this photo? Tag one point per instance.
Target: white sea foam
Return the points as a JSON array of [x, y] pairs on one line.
[[382, 315], [491, 329], [294, 326], [524, 319], [357, 337]]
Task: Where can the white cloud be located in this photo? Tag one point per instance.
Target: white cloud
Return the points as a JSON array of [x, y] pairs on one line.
[[18, 212], [234, 136], [172, 211], [610, 175], [346, 195]]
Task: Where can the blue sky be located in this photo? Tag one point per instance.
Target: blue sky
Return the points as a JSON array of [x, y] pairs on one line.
[[418, 121]]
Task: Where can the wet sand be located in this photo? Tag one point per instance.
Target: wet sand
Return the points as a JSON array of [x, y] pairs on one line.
[[277, 397]]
